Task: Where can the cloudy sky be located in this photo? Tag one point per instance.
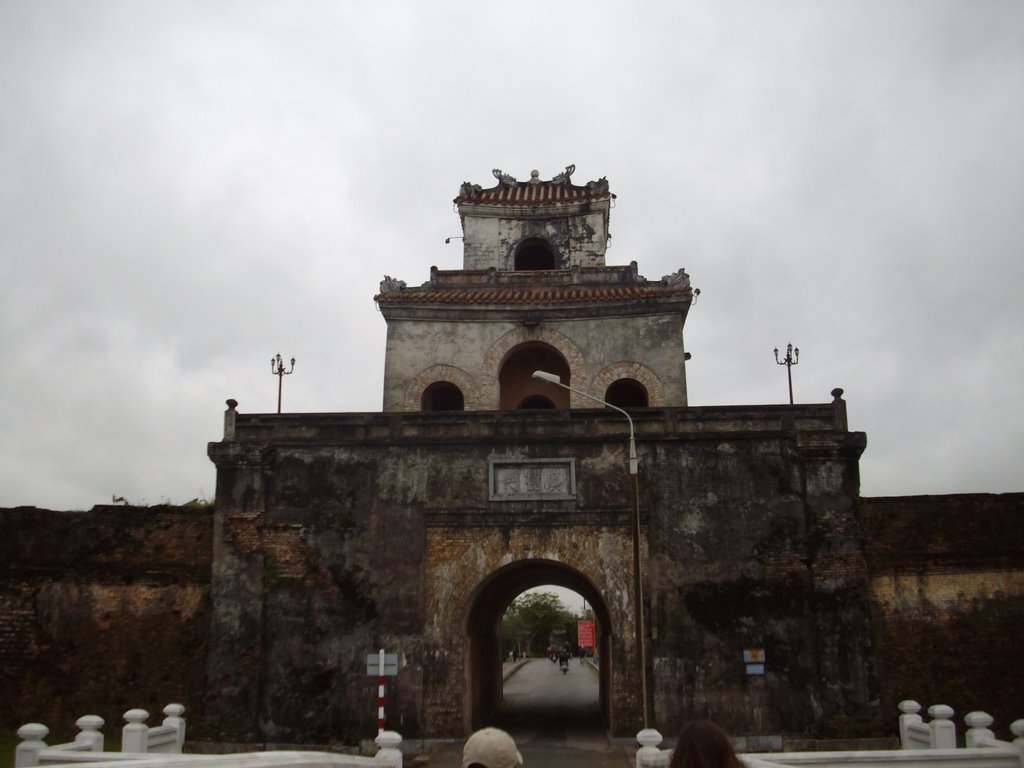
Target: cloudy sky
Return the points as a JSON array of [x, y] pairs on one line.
[[188, 188]]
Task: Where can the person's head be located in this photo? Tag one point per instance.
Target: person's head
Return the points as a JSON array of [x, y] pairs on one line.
[[491, 748], [702, 744]]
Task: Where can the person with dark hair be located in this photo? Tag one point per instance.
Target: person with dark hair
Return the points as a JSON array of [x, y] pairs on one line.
[[702, 744]]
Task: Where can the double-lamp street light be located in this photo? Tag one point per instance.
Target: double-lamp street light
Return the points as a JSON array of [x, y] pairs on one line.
[[277, 368], [638, 590]]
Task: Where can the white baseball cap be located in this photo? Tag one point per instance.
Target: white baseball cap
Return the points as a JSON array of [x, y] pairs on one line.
[[491, 748]]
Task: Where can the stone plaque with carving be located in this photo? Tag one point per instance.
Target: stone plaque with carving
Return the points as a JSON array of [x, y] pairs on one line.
[[532, 479]]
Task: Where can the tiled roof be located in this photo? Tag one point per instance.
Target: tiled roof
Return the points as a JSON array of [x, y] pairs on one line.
[[534, 295], [542, 192], [512, 192]]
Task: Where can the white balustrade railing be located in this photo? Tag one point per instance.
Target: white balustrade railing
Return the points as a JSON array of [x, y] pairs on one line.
[[136, 738], [922, 745], [161, 747]]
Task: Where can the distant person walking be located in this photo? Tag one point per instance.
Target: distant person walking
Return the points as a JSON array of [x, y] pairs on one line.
[[491, 748], [702, 744]]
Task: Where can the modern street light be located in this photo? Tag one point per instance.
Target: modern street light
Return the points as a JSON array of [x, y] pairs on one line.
[[791, 359], [277, 368], [638, 590]]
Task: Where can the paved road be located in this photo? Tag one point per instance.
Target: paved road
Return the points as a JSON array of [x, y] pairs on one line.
[[554, 719]]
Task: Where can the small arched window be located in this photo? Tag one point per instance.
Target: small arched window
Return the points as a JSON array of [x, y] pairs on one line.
[[442, 396], [627, 393], [534, 254], [535, 402]]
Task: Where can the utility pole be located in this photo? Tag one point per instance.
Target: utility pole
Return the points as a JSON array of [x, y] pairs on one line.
[[277, 368], [791, 359]]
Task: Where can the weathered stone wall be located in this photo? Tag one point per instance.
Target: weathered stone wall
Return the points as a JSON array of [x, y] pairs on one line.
[[338, 535], [491, 241], [748, 514], [758, 546], [102, 611], [947, 590], [472, 350]]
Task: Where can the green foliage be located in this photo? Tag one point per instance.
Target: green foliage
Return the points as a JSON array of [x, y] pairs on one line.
[[199, 503], [536, 620], [8, 743]]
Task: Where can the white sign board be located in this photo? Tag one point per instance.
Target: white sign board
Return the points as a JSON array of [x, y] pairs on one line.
[[390, 664]]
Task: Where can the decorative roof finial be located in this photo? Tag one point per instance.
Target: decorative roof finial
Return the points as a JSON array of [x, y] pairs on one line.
[[503, 177], [564, 176]]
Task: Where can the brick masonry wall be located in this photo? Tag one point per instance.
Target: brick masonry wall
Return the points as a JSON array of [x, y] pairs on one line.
[[325, 554], [330, 545], [100, 612], [947, 588]]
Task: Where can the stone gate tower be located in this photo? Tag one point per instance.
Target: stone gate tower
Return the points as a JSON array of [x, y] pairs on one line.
[[413, 529], [534, 293]]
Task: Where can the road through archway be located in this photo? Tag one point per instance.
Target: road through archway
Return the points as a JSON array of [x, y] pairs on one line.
[[546, 708], [485, 689]]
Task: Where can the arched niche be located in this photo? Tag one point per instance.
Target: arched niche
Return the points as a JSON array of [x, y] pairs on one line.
[[627, 393], [535, 253], [442, 396], [416, 391], [517, 386], [630, 370]]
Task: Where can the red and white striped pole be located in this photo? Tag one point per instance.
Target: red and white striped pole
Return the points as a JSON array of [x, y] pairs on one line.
[[380, 694]]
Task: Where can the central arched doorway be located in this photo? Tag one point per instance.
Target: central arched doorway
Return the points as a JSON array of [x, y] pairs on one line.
[[518, 388], [482, 632]]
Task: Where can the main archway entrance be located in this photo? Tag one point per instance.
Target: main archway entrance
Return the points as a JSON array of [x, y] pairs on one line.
[[483, 643]]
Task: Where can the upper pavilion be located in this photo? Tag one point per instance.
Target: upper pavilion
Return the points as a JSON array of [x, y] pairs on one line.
[[534, 293]]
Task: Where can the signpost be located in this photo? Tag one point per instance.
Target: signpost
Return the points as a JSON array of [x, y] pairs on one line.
[[382, 665]]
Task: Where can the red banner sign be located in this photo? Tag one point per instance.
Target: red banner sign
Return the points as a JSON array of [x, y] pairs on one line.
[[585, 633]]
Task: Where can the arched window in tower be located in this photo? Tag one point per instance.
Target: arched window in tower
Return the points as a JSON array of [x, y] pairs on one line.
[[535, 402], [442, 396], [518, 388], [627, 393], [535, 253]]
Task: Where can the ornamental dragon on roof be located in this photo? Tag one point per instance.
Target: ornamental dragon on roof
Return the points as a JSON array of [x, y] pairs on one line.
[[560, 187]]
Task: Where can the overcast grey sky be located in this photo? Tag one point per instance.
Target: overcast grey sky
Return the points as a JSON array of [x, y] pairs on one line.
[[187, 188]]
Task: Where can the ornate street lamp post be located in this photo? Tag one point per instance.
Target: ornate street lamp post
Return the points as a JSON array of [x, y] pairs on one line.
[[791, 359], [277, 368], [638, 589]]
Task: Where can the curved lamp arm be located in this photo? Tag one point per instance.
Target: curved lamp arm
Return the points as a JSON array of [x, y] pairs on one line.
[[555, 379]]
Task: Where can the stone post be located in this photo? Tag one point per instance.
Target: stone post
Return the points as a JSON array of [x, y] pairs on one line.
[[978, 729], [175, 720], [649, 740], [942, 727], [389, 752], [1017, 729], [840, 409], [908, 716], [26, 754], [89, 732], [229, 419], [133, 735]]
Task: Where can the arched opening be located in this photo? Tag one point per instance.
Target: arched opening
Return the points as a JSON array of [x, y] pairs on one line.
[[627, 393], [484, 652], [535, 402], [442, 396], [516, 382], [533, 254]]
